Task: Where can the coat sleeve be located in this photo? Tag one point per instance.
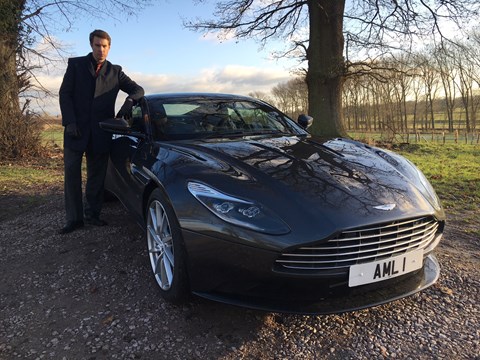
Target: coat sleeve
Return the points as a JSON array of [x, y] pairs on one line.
[[66, 94], [129, 86]]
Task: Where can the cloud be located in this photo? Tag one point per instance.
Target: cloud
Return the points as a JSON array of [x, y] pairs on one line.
[[234, 79], [218, 37], [251, 76]]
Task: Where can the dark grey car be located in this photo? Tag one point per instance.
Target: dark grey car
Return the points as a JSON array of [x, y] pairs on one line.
[[240, 204]]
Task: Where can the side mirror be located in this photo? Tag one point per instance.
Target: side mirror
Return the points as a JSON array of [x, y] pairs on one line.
[[305, 121], [119, 126]]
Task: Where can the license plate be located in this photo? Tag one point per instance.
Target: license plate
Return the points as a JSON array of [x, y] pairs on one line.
[[385, 269]]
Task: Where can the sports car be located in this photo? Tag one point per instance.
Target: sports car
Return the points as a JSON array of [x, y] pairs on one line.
[[241, 204]]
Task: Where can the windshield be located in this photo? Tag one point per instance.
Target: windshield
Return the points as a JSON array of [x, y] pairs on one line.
[[208, 118]]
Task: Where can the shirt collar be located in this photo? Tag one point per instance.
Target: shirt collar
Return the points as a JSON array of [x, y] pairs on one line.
[[94, 61]]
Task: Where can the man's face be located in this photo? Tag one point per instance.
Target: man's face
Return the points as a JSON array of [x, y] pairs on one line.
[[100, 48]]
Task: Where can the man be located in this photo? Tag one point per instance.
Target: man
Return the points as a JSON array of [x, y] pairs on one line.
[[87, 97]]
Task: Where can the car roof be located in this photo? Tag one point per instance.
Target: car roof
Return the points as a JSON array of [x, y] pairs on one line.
[[197, 95]]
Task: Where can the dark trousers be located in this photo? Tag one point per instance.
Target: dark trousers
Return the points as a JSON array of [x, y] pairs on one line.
[[96, 171]]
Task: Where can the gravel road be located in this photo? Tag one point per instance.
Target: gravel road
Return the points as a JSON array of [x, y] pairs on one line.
[[90, 295]]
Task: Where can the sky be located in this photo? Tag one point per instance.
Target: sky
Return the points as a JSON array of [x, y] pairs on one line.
[[156, 51]]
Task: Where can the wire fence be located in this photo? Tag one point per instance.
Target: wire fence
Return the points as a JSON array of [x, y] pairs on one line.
[[52, 134], [438, 137]]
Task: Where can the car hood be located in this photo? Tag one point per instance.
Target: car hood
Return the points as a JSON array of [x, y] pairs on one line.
[[331, 184]]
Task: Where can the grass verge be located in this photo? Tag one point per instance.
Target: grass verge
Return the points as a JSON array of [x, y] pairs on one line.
[[453, 170], [28, 183]]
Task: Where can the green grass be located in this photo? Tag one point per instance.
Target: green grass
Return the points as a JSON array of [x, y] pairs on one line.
[[28, 184], [20, 177], [425, 137], [52, 135], [453, 170]]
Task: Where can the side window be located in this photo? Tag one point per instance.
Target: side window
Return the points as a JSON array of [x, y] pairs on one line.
[[158, 118], [137, 119]]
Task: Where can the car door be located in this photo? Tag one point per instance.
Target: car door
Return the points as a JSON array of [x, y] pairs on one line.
[[126, 177]]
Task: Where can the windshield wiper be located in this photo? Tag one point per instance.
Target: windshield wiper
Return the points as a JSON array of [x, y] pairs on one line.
[[219, 134], [265, 132], [245, 133]]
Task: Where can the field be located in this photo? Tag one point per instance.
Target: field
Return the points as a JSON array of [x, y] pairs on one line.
[[52, 134], [453, 170], [435, 137], [88, 295]]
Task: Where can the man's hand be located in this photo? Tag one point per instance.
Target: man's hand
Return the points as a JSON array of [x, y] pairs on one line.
[[126, 109], [73, 131]]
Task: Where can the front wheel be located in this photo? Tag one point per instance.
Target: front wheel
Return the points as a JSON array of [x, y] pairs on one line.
[[165, 249]]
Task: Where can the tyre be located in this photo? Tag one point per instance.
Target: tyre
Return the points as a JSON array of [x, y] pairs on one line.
[[108, 196], [166, 249]]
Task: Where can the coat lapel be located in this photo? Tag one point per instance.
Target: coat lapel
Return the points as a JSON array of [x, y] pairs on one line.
[[102, 80], [91, 70]]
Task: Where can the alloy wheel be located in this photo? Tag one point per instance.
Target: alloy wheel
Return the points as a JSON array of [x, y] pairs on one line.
[[160, 245]]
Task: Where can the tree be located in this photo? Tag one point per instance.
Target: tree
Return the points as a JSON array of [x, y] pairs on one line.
[[467, 79], [9, 28], [15, 131], [448, 74], [366, 28], [261, 95], [291, 97], [23, 23]]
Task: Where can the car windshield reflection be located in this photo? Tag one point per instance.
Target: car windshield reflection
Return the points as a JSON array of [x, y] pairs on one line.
[[202, 118]]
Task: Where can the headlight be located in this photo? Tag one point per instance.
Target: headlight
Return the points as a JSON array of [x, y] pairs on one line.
[[426, 186], [241, 212], [409, 170]]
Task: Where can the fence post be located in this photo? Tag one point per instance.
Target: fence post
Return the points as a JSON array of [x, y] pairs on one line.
[[456, 136], [443, 137]]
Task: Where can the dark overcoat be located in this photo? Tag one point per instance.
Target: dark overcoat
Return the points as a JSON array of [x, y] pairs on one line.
[[86, 99]]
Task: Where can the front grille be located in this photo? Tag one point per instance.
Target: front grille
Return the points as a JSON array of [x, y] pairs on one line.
[[362, 245]]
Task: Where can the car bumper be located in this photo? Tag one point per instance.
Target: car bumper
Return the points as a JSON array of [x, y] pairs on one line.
[[243, 276], [358, 299]]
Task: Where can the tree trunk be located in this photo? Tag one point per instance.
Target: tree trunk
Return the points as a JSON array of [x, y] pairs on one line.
[[10, 11], [325, 73]]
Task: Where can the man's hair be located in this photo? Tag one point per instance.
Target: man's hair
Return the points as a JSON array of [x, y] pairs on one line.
[[101, 34]]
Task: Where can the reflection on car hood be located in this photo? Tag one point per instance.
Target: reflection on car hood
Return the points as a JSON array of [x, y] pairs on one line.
[[335, 177]]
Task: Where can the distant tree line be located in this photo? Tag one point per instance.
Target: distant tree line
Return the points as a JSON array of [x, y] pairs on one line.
[[437, 88]]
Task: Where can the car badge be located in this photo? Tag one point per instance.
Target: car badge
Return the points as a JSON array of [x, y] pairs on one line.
[[386, 207]]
